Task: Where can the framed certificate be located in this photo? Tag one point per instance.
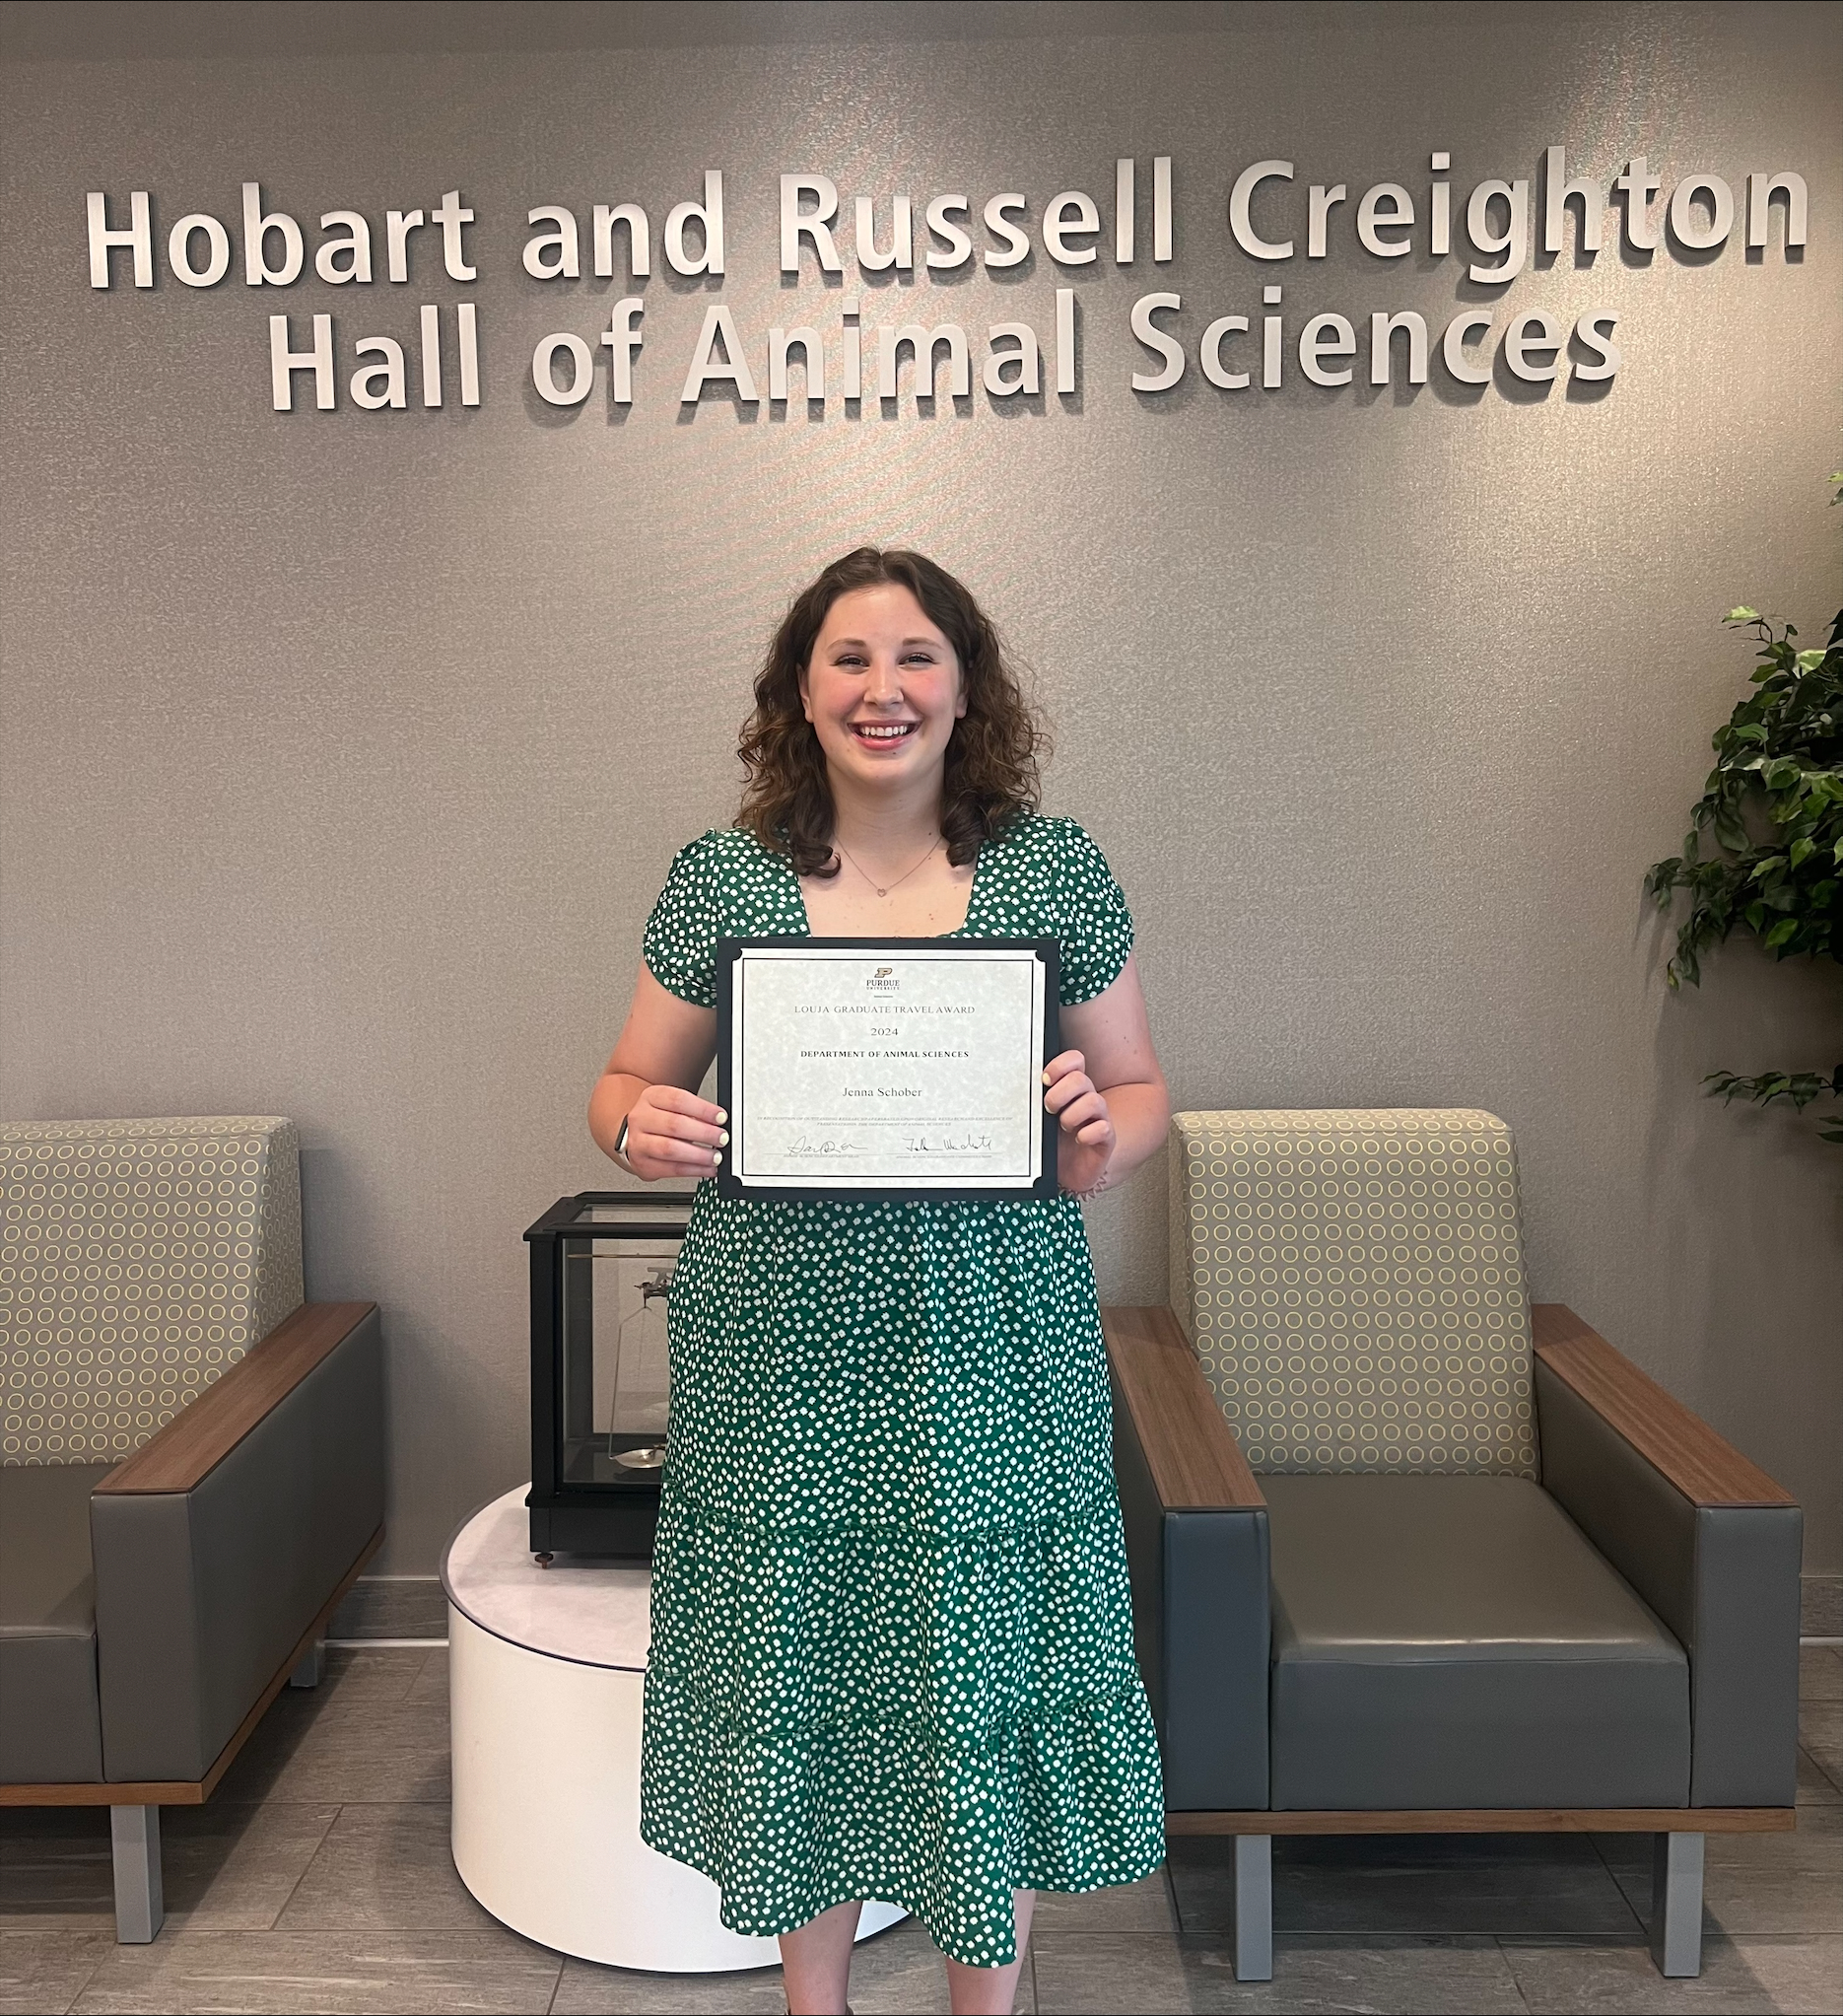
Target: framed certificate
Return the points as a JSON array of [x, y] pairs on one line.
[[886, 1068]]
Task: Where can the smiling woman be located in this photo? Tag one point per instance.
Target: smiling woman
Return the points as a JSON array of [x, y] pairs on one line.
[[892, 1646]]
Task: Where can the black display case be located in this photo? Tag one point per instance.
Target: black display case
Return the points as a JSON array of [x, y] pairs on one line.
[[601, 1275]]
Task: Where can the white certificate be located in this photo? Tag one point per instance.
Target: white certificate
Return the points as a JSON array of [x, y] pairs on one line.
[[893, 1068]]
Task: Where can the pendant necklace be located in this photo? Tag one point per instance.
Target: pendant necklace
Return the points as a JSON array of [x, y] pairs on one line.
[[899, 879]]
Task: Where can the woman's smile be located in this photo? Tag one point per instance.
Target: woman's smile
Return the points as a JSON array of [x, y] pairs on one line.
[[883, 734]]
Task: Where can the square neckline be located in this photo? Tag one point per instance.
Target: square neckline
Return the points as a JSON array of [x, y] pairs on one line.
[[959, 929]]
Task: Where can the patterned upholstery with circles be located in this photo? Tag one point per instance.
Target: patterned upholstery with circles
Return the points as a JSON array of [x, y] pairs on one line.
[[1352, 1282], [138, 1260]]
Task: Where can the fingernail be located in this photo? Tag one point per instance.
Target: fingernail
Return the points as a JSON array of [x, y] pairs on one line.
[[715, 1156], [1045, 1077], [721, 1116], [723, 1139]]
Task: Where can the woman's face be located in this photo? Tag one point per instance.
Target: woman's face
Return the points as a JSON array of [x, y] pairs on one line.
[[882, 688]]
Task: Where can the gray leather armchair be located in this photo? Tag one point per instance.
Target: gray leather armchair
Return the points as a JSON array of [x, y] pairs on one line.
[[151, 1607], [1481, 1574]]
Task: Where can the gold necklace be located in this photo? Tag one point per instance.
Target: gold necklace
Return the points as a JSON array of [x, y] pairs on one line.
[[899, 879]]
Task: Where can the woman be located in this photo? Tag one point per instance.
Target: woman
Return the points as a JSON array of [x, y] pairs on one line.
[[892, 1649]]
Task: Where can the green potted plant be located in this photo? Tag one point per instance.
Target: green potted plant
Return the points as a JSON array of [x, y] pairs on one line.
[[1764, 851]]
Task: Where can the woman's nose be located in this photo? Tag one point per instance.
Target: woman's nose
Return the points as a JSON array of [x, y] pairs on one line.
[[882, 686]]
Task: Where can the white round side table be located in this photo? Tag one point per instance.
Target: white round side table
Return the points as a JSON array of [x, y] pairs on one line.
[[545, 1669]]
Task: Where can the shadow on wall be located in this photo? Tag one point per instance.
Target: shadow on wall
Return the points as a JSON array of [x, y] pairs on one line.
[[338, 1259], [1127, 1236], [1739, 1261]]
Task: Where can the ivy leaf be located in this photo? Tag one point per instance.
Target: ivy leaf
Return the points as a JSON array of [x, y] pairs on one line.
[[1801, 852], [1741, 616], [1809, 660], [1782, 933]]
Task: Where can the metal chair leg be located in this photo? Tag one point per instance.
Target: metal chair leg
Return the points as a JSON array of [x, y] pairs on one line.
[[1254, 1907], [310, 1666], [1677, 1903], [140, 1905]]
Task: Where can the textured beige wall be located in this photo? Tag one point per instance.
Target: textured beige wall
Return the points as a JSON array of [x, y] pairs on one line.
[[344, 754]]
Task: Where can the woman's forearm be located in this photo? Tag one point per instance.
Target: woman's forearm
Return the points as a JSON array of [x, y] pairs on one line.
[[1140, 1114], [609, 1104], [674, 1040]]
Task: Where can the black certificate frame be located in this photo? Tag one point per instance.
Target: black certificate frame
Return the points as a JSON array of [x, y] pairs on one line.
[[1049, 1043]]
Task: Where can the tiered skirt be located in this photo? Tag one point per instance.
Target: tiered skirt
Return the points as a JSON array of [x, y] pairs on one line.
[[892, 1643]]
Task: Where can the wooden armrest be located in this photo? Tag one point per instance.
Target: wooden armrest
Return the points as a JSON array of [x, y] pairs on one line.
[[1705, 1467], [198, 1438], [1197, 1463]]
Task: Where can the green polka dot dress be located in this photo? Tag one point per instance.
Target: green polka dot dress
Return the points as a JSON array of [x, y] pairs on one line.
[[892, 1644]]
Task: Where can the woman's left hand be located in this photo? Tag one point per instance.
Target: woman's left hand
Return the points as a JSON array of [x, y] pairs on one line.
[[1085, 1141]]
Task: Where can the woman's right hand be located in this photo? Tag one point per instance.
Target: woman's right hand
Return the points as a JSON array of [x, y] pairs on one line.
[[673, 1133]]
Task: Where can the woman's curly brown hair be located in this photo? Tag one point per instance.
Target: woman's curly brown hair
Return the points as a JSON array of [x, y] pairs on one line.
[[991, 775]]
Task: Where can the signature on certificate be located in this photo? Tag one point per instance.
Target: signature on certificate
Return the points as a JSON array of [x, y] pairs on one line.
[[948, 1144], [805, 1144]]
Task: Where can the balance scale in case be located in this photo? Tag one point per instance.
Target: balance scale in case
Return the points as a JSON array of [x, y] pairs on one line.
[[601, 1275]]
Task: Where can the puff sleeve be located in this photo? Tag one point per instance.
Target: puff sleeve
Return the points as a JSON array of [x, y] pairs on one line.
[[1094, 925], [680, 942]]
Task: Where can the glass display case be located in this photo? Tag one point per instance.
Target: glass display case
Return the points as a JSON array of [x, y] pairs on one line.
[[601, 1275]]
